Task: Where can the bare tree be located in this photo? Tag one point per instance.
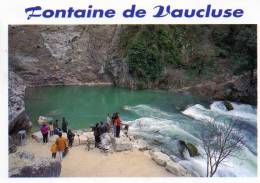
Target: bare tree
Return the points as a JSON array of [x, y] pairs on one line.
[[220, 141]]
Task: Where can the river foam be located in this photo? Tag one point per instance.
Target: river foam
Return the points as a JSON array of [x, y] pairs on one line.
[[164, 129]]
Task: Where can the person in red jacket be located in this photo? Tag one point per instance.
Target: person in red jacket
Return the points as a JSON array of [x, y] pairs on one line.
[[117, 123]]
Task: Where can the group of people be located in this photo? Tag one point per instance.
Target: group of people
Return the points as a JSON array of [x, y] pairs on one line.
[[61, 145], [50, 129], [112, 123]]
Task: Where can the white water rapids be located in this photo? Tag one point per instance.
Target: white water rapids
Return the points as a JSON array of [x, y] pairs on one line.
[[164, 129]]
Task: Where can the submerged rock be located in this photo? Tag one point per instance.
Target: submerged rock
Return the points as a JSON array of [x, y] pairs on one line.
[[183, 147], [193, 151], [26, 164], [228, 105]]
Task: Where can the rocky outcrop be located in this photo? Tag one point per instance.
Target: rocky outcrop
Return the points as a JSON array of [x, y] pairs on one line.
[[119, 72], [171, 166], [240, 88], [176, 169], [121, 144], [44, 55], [18, 120], [26, 164], [160, 158]]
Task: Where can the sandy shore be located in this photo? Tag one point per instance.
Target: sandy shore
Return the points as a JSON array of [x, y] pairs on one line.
[[82, 163]]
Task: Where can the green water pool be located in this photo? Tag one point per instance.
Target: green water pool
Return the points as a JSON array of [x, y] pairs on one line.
[[83, 106]]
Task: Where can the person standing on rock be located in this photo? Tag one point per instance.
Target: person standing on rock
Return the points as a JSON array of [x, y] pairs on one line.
[[61, 143], [44, 131], [117, 123], [64, 125]]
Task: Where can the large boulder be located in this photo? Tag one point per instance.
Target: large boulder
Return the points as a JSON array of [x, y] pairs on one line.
[[121, 144], [26, 164], [160, 158], [83, 138], [164, 160], [176, 169]]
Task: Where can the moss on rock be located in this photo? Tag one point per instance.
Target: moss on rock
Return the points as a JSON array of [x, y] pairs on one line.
[[228, 105], [193, 151]]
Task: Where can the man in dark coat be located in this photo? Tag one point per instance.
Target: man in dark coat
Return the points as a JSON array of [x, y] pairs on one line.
[[64, 125]]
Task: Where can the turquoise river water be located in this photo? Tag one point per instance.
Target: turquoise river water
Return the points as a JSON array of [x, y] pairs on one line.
[[153, 115]]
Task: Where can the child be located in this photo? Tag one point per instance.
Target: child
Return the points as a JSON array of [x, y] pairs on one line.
[[53, 150]]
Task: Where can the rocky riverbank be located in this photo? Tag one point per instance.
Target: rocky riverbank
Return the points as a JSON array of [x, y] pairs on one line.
[[127, 156]]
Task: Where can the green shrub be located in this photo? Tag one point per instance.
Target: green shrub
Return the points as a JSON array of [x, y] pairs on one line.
[[151, 50]]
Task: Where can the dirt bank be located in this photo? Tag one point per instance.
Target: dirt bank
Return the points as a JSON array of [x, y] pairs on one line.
[[82, 163]]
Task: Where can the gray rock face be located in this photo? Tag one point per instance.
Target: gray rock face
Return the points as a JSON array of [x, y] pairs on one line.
[[16, 95], [18, 120], [26, 164], [60, 54], [119, 72]]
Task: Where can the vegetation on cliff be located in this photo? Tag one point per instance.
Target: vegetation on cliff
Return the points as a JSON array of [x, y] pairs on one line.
[[199, 51]]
